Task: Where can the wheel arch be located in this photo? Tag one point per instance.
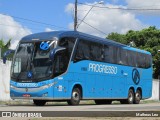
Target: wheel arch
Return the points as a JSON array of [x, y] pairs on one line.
[[78, 85], [132, 88]]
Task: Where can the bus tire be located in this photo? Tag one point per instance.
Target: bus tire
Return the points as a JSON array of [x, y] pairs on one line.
[[75, 97], [130, 98], [100, 102], [137, 97], [39, 102]]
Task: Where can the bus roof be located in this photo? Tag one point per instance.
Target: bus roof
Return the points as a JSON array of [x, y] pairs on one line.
[[61, 34]]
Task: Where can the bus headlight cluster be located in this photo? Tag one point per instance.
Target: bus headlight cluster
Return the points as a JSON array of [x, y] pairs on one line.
[[12, 87]]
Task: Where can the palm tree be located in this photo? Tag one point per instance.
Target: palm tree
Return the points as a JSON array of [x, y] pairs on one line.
[[2, 43], [7, 45], [4, 47]]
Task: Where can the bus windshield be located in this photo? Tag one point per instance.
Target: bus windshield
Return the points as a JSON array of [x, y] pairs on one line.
[[31, 61]]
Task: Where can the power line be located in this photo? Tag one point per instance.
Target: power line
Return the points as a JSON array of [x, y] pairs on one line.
[[18, 26], [11, 25], [38, 22], [120, 8], [84, 18], [94, 27]]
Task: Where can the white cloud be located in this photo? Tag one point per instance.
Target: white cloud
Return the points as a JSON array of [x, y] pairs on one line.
[[106, 20], [49, 30], [10, 29], [69, 8]]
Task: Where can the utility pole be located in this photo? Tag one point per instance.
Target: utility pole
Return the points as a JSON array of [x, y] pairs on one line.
[[75, 16]]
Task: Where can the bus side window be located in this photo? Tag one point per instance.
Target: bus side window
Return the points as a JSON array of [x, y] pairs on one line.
[[148, 61], [60, 63], [96, 51], [68, 43], [140, 60], [79, 53], [119, 56], [113, 53], [83, 51], [132, 58], [107, 56], [86, 50], [124, 56], [143, 60]]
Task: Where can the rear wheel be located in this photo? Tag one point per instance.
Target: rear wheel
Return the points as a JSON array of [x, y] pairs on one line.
[[100, 102], [75, 98], [130, 98], [137, 97], [39, 102]]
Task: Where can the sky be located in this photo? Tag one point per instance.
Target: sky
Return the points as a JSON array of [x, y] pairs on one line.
[[19, 18]]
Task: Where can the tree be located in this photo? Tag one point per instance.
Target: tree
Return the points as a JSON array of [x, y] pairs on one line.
[[146, 39], [4, 47], [2, 43]]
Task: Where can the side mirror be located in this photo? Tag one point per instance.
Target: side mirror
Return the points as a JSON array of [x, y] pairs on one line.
[[54, 51], [8, 52]]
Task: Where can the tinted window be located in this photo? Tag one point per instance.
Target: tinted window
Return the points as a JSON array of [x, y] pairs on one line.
[[124, 56], [131, 58], [68, 43], [62, 58], [107, 54], [111, 54], [83, 50], [87, 50], [96, 51], [148, 61]]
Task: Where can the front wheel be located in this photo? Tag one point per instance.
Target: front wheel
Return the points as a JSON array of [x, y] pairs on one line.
[[75, 97], [39, 102]]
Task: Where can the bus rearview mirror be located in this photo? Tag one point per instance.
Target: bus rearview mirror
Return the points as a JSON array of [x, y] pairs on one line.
[[8, 52], [54, 51]]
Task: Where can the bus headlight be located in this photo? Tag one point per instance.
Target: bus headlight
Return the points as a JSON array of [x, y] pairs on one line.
[[12, 87]]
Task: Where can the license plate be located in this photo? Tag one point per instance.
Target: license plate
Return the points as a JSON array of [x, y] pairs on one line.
[[26, 95]]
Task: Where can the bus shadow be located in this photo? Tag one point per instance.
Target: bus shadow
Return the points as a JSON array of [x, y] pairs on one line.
[[58, 103]]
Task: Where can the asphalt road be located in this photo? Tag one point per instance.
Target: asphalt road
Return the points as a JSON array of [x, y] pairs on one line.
[[82, 107], [146, 110]]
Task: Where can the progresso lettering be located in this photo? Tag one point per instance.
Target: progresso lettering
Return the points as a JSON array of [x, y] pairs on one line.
[[102, 68]]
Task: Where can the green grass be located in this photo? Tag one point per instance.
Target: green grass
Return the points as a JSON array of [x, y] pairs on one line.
[[149, 101]]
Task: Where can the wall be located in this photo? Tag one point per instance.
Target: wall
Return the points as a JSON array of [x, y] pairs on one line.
[[155, 90], [4, 80]]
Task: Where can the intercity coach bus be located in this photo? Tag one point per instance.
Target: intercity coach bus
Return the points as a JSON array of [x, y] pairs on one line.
[[72, 66]]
